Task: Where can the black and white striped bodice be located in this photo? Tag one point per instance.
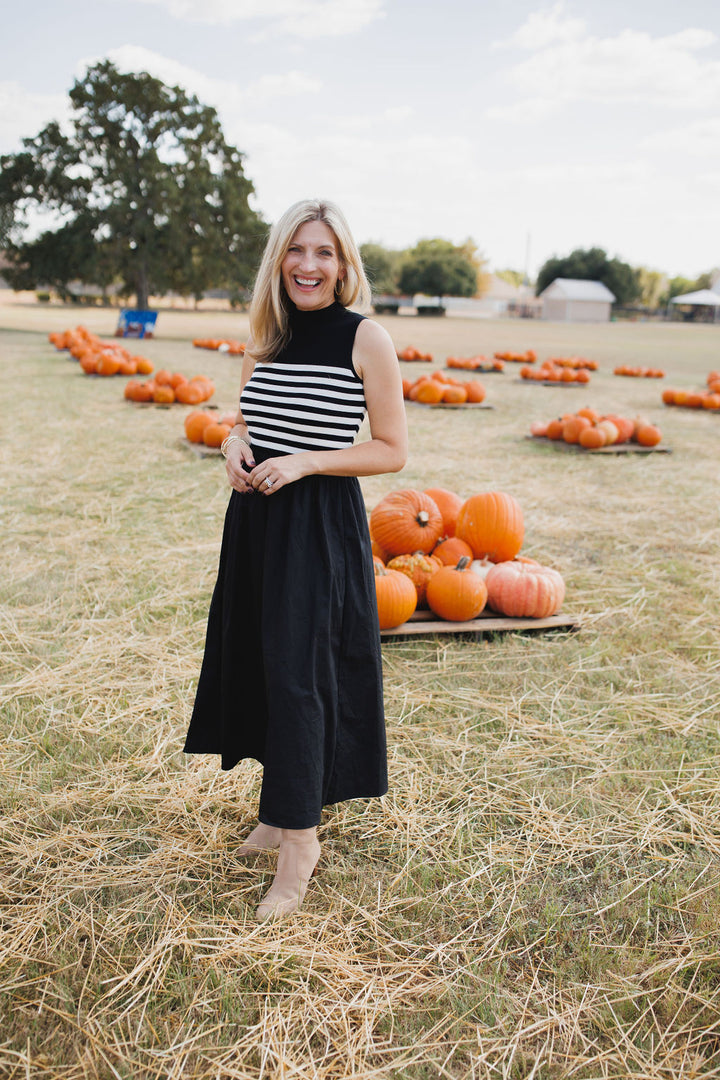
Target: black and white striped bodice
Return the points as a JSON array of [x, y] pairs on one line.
[[310, 396]]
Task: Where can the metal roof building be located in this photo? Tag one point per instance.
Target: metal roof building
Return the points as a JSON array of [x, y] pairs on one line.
[[575, 300]]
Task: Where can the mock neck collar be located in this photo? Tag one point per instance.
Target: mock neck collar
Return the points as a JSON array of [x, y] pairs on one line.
[[316, 317]]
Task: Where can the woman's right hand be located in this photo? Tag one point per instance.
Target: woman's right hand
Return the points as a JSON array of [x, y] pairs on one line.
[[239, 455]]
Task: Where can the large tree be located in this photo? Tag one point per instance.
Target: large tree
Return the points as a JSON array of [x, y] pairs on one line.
[[382, 266], [438, 268], [592, 264], [141, 190]]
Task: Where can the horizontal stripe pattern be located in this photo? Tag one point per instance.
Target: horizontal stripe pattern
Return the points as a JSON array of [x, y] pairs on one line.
[[294, 407]]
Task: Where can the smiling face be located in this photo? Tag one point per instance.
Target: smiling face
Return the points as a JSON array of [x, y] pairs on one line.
[[312, 267]]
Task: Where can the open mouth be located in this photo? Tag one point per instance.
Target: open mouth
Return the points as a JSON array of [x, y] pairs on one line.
[[306, 283]]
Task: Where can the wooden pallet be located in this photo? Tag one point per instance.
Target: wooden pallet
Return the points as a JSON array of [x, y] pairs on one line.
[[488, 622], [459, 372], [553, 382], [615, 448]]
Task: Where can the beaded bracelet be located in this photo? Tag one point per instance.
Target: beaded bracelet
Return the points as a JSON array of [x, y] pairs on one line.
[[231, 439]]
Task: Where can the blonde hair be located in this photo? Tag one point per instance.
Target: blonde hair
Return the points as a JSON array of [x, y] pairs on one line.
[[269, 323]]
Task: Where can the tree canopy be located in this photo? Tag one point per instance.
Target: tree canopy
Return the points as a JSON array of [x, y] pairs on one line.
[[437, 267], [592, 264], [382, 266], [142, 190]]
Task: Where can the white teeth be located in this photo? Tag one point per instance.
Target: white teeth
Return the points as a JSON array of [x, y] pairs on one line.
[[307, 281]]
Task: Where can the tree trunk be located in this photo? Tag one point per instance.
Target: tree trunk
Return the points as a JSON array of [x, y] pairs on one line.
[[142, 299]]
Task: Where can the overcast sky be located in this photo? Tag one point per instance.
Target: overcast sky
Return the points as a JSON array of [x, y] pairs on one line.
[[532, 127]]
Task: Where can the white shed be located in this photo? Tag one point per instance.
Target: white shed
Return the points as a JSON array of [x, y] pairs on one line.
[[574, 300]]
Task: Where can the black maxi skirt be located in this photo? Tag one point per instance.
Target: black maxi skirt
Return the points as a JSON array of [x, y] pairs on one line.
[[292, 671]]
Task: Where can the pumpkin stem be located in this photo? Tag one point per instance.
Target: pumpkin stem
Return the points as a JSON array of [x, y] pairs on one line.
[[463, 562], [423, 517]]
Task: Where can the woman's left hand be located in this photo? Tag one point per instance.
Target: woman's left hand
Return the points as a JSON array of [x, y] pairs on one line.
[[275, 473]]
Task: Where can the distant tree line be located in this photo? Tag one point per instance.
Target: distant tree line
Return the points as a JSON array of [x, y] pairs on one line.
[[434, 267], [632, 286], [142, 195]]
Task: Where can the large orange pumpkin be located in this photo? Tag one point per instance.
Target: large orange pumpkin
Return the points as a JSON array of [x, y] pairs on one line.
[[406, 521], [396, 597], [195, 424], [492, 524], [448, 503], [525, 589], [456, 593]]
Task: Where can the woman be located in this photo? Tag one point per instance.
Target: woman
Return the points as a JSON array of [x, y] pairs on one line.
[[292, 668]]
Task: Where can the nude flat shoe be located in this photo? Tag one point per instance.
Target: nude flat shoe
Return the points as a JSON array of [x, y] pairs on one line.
[[297, 863], [262, 838]]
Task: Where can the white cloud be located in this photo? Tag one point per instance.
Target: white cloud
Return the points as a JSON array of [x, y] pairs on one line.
[[301, 18], [23, 113], [570, 65], [699, 138], [543, 27]]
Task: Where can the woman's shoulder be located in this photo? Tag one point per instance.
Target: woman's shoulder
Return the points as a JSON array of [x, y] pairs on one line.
[[371, 334]]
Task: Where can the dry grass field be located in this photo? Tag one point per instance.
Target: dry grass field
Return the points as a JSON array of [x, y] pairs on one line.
[[537, 897]]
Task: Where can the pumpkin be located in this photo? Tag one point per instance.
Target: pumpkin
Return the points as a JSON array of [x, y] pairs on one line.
[[214, 433], [452, 548], [144, 366], [475, 391], [573, 427], [189, 394], [108, 364], [492, 524], [554, 429], [419, 568], [538, 428], [396, 597], [195, 424], [430, 392], [456, 593], [163, 394], [592, 438], [525, 590], [406, 520], [610, 430], [648, 435], [448, 503], [454, 395]]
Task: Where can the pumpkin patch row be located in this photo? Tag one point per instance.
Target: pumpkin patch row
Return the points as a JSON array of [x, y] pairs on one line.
[[457, 556], [441, 389], [591, 431], [98, 357], [225, 345], [577, 363], [169, 388], [411, 354], [693, 399], [528, 357], [475, 363], [550, 371], [639, 372]]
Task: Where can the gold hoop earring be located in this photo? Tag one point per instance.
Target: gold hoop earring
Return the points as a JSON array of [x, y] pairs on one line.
[[339, 285]]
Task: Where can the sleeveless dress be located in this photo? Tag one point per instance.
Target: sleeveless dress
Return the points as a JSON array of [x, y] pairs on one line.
[[292, 670]]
